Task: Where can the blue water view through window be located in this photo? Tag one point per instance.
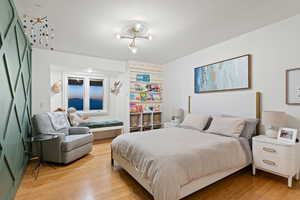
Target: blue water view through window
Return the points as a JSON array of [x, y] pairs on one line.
[[85, 93], [96, 94], [76, 94]]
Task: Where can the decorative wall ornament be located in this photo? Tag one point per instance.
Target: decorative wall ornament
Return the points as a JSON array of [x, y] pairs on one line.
[[133, 32], [116, 87], [56, 87], [39, 31]]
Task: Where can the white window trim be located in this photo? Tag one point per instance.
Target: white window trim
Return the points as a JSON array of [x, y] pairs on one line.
[[86, 92]]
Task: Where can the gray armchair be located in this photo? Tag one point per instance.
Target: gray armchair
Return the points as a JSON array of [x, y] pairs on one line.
[[71, 143]]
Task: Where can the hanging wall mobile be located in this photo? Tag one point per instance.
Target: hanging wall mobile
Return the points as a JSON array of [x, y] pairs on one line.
[[39, 31]]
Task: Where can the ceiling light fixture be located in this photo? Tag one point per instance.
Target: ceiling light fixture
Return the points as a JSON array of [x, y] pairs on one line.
[[133, 32]]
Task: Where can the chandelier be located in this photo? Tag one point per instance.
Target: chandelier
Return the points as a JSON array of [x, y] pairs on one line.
[[39, 31], [132, 33]]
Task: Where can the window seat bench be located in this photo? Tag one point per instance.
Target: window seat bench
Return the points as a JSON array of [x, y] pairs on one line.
[[103, 126]]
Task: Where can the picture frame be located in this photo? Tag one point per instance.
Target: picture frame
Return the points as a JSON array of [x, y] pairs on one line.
[[226, 75], [293, 86], [287, 135]]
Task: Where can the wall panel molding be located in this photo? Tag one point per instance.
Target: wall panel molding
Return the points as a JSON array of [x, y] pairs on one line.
[[15, 100]]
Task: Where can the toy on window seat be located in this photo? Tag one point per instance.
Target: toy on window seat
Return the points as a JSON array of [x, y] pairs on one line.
[[75, 118]]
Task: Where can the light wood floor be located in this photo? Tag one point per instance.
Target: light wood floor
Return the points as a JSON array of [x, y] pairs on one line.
[[92, 178]]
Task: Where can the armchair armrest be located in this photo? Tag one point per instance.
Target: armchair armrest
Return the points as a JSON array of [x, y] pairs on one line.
[[52, 148], [78, 130], [61, 136]]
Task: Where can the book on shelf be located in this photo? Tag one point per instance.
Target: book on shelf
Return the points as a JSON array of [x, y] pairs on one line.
[[136, 108], [144, 108], [143, 77]]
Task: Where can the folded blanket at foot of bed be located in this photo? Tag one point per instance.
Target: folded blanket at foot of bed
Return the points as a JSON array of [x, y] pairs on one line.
[[101, 124]]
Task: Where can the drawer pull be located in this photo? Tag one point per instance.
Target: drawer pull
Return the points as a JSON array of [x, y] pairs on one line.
[[269, 150], [268, 162]]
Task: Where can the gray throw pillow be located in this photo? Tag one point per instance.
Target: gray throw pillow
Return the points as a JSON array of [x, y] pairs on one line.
[[250, 127]]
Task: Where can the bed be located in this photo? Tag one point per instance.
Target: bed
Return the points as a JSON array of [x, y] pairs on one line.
[[172, 163]]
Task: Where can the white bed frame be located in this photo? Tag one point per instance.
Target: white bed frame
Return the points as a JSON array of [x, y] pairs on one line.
[[253, 109]]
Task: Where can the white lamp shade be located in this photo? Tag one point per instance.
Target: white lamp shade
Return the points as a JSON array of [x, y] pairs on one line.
[[274, 118]]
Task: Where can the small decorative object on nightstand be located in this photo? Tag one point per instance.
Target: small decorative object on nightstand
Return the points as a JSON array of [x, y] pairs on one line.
[[273, 120], [171, 124], [276, 157], [287, 135], [178, 115]]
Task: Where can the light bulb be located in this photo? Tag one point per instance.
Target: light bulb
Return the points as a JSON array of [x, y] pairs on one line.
[[90, 70], [133, 50], [150, 37], [118, 36], [138, 26]]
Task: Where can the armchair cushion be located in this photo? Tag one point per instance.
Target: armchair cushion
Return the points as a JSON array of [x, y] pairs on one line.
[[43, 125], [78, 130], [74, 141]]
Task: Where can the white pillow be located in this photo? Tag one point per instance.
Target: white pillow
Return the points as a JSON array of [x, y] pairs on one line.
[[227, 126], [195, 121]]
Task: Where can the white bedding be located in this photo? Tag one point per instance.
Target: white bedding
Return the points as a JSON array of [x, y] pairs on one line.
[[172, 157]]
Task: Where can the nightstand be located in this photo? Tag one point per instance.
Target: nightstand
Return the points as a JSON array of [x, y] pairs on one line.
[[170, 124], [276, 157]]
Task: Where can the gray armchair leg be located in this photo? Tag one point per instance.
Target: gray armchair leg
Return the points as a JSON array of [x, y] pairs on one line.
[[111, 158]]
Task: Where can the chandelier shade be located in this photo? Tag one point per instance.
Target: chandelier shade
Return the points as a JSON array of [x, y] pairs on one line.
[[132, 33]]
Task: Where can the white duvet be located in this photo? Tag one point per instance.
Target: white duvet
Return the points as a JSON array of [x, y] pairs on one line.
[[172, 157]]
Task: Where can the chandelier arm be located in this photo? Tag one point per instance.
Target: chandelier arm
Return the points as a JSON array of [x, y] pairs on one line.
[[142, 37], [126, 37]]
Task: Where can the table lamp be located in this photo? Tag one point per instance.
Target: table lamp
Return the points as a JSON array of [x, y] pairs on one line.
[[273, 120], [178, 115]]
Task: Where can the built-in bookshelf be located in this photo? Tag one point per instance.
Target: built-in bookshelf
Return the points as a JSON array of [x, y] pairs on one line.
[[146, 87]]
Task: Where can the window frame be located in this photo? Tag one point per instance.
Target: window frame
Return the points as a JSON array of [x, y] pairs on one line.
[[86, 92]]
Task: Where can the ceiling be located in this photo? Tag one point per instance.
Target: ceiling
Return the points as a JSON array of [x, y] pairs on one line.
[[178, 27]]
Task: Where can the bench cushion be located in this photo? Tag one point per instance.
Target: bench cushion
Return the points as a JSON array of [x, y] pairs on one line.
[[101, 124]]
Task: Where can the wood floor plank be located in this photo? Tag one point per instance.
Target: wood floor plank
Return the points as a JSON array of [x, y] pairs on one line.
[[92, 178]]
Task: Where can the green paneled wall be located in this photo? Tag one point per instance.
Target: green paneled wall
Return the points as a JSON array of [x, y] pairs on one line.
[[15, 100]]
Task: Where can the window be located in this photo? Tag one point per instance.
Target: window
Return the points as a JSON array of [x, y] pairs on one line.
[[96, 94], [85, 93], [75, 93]]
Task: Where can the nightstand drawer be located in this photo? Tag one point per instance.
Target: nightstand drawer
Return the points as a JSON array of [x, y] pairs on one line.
[[271, 150], [272, 163]]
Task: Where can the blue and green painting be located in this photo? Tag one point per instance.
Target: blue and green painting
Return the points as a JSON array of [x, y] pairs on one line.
[[226, 75]]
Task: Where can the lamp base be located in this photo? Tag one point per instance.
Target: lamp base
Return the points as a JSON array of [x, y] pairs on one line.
[[271, 133]]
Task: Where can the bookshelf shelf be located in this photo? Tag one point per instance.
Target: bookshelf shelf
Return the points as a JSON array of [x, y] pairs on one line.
[[145, 97]]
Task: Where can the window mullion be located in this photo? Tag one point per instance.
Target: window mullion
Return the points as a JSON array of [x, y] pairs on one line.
[[87, 94]]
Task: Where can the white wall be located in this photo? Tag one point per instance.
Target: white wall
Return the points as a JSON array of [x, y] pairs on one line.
[[274, 49], [47, 64]]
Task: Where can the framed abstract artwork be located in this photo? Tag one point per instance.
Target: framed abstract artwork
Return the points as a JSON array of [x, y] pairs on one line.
[[293, 86], [226, 75]]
